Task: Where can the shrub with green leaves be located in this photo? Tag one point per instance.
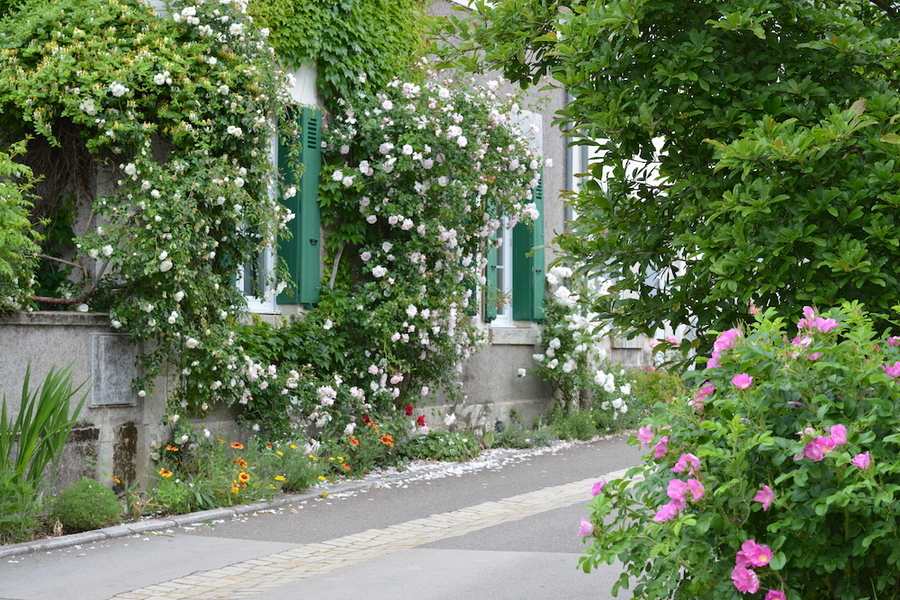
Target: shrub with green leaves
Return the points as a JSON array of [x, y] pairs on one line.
[[20, 508], [442, 445], [780, 472], [18, 239], [86, 505]]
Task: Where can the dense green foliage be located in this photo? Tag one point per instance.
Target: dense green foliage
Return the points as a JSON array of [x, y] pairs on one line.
[[86, 505], [790, 445], [344, 39], [749, 150], [18, 240]]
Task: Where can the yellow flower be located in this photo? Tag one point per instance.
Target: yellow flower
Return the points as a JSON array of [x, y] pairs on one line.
[[116, 479], [292, 447], [279, 453], [321, 478], [243, 477], [165, 473], [280, 478], [234, 488]]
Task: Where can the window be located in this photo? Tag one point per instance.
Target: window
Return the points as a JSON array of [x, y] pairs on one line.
[[301, 253], [515, 271]]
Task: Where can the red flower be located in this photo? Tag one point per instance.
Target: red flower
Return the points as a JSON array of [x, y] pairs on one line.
[[346, 466], [172, 448], [409, 410], [366, 419], [354, 441], [237, 445], [387, 440], [420, 421]]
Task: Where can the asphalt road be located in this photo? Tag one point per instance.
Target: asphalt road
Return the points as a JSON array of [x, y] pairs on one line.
[[502, 527]]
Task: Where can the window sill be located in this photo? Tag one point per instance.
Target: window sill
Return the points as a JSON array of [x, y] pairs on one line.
[[526, 334]]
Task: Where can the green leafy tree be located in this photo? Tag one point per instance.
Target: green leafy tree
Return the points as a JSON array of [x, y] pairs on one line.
[[746, 152]]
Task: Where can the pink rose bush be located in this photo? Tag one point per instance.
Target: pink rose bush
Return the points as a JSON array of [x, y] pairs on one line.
[[775, 478]]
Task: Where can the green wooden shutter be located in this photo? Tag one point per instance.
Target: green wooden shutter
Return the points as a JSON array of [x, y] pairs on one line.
[[528, 264], [302, 253], [490, 286]]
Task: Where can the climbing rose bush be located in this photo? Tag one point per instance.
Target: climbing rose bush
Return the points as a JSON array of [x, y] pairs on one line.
[[776, 478]]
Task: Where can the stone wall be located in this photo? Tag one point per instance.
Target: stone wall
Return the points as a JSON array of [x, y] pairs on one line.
[[115, 427]]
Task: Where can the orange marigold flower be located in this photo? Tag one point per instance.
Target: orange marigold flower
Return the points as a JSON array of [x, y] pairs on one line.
[[165, 473], [346, 466], [243, 477], [172, 448], [387, 440], [237, 445], [354, 441]]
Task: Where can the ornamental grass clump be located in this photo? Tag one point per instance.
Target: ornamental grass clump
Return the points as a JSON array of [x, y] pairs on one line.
[[776, 477]]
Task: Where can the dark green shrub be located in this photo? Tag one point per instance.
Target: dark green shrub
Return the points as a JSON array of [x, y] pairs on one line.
[[442, 445], [86, 505], [654, 386], [518, 436], [576, 425]]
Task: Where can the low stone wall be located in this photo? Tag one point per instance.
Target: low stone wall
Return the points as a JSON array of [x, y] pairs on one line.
[[115, 427], [117, 430]]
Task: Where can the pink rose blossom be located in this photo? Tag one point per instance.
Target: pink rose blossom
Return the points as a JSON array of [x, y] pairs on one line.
[[862, 461], [765, 496], [816, 449], [892, 370], [839, 434], [894, 341], [726, 340], [758, 555], [775, 595], [713, 361], [825, 325], [687, 461], [667, 512], [676, 491], [661, 447], [701, 395], [645, 436], [696, 488], [742, 381], [586, 528], [597, 488], [745, 580]]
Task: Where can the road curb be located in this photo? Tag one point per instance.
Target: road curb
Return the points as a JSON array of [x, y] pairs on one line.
[[173, 521]]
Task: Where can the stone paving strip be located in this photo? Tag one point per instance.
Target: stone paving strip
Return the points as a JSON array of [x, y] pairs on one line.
[[254, 576]]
